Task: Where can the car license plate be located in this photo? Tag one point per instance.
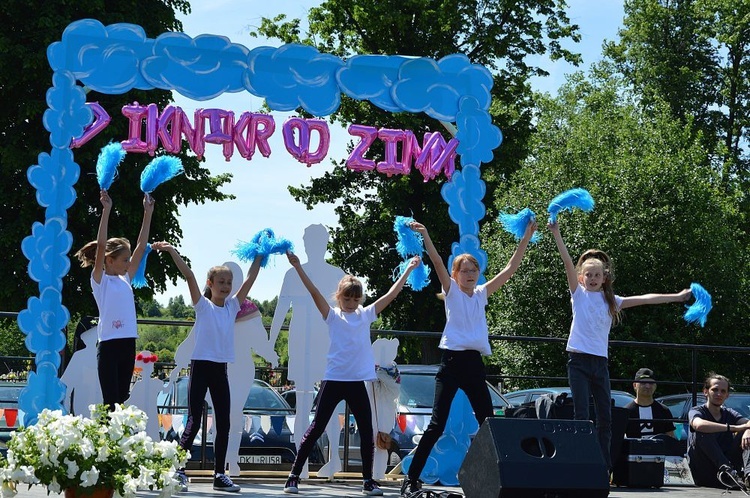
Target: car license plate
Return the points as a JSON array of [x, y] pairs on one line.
[[261, 459]]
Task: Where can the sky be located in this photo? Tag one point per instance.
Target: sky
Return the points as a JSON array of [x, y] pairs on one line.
[[212, 230]]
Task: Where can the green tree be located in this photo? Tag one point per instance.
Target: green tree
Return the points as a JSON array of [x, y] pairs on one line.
[[149, 308], [695, 56], [498, 35], [176, 308], [663, 217], [24, 80]]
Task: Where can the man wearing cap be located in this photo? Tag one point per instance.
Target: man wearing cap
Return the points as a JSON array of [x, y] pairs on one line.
[[647, 416]]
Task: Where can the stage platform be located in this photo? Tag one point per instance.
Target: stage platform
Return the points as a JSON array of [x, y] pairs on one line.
[[350, 486]]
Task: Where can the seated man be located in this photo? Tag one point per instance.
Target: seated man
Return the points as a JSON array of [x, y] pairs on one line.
[[718, 440], [647, 416]]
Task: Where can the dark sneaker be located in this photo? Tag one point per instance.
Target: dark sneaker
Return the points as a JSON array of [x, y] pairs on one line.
[[371, 488], [410, 488], [222, 482], [182, 479], [292, 485]]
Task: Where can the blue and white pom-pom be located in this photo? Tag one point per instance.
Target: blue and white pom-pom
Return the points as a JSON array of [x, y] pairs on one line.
[[517, 223], [263, 243], [158, 171], [139, 279], [410, 243], [698, 311], [576, 198], [109, 159], [418, 279]]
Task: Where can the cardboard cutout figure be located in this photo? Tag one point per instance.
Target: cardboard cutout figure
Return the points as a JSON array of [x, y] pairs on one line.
[[308, 337], [249, 335], [384, 394], [81, 378]]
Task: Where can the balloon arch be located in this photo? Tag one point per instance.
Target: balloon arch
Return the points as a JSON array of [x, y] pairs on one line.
[[117, 58]]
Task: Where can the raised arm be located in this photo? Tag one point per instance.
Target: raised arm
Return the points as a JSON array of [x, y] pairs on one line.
[[252, 274], [195, 291], [395, 289], [515, 260], [570, 269], [679, 297], [140, 245], [437, 262], [101, 236], [320, 301]]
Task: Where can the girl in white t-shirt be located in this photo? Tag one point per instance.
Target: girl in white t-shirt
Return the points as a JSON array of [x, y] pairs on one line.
[[215, 313], [464, 341], [350, 362], [113, 268], [595, 309]]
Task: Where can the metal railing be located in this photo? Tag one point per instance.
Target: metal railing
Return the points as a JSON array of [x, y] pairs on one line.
[[693, 385]]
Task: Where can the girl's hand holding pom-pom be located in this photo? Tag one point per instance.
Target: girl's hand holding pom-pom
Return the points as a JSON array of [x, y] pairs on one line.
[[293, 259], [418, 227]]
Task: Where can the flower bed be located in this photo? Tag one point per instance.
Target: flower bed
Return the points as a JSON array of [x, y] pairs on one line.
[[110, 449]]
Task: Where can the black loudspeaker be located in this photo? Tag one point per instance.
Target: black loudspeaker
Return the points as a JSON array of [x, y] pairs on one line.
[[529, 458]]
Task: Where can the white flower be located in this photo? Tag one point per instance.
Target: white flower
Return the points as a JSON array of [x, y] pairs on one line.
[[89, 477], [72, 468], [54, 486], [8, 490]]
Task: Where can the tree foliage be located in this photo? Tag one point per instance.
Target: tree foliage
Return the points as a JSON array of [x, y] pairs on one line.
[[662, 216], [695, 56], [500, 35], [25, 76]]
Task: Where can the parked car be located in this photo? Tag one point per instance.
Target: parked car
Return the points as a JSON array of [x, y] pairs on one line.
[[267, 448], [517, 398], [680, 404], [11, 417], [415, 408], [413, 413]]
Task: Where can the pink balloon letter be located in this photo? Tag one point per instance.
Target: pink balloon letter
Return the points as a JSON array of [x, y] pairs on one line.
[[101, 120]]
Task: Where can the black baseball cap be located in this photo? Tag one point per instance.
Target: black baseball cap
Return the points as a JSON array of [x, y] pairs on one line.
[[644, 375]]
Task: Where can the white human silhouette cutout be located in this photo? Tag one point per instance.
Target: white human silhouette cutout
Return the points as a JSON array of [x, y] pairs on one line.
[[384, 394], [249, 335], [78, 377], [146, 391], [308, 338]]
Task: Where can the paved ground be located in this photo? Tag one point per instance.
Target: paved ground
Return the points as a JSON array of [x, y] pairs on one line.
[[264, 487]]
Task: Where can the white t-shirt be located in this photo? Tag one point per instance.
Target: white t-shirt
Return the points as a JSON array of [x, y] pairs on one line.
[[114, 297], [214, 330], [466, 322], [350, 355], [589, 331]]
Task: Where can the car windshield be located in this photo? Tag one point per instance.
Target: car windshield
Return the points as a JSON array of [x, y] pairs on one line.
[[264, 398]]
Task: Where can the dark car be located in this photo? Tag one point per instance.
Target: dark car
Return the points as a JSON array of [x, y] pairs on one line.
[[517, 398], [266, 447]]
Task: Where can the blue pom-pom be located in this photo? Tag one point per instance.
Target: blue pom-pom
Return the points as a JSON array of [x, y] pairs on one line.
[[409, 243], [576, 198], [517, 223], [158, 171], [109, 159], [139, 279], [263, 243], [418, 279], [698, 311]]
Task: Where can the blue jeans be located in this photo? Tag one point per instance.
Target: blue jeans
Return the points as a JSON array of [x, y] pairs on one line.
[[588, 376]]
